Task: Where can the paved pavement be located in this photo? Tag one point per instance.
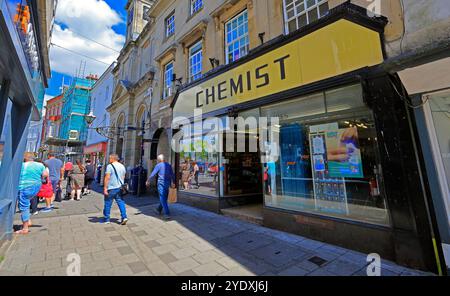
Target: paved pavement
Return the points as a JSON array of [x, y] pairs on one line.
[[195, 242]]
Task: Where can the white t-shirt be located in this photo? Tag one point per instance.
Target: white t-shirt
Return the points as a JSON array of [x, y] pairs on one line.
[[115, 183]]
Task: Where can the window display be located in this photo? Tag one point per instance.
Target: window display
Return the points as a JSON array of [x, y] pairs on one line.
[[328, 162], [198, 167]]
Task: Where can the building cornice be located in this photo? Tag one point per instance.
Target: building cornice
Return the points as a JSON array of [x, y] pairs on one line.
[[200, 27], [170, 50]]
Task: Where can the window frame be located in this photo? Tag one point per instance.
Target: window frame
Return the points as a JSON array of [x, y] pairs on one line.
[[191, 53], [167, 83], [145, 10], [238, 39], [305, 12], [170, 26], [192, 6]]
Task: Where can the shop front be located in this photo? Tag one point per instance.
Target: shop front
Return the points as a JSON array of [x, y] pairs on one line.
[[333, 154], [427, 81], [23, 78], [96, 153]]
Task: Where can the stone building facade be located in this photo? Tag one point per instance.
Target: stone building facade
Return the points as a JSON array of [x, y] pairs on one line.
[[173, 43]]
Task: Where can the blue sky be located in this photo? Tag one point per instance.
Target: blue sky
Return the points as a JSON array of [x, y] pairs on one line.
[[119, 5], [75, 20]]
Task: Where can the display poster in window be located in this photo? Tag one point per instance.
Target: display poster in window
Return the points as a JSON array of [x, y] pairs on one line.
[[329, 191], [343, 153]]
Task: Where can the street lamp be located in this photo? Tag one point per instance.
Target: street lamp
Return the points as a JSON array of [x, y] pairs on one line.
[[90, 118]]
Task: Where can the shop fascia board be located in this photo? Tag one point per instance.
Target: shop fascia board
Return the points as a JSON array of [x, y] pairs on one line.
[[347, 11]]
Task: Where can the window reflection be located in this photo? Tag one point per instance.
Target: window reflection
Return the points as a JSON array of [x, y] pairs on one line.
[[328, 162], [199, 168]]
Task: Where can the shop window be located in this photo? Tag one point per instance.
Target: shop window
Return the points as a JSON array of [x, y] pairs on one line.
[[236, 37], [195, 61], [170, 25], [196, 5], [199, 163], [299, 13], [328, 161], [440, 110], [168, 77]]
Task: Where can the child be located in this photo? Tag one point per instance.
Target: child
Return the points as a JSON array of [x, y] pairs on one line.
[[46, 192]]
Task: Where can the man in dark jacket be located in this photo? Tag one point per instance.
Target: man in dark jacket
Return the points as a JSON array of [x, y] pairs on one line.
[[89, 176], [166, 178]]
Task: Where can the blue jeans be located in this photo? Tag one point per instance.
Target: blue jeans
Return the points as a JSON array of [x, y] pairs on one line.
[[163, 191], [24, 200], [114, 194], [54, 185]]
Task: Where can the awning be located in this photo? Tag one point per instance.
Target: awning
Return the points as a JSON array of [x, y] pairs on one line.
[[95, 148]]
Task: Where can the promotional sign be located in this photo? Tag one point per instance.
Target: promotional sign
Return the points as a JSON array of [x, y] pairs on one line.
[[330, 194], [344, 154]]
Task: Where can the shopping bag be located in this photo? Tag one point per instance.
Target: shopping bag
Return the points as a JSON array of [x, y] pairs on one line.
[[172, 195], [58, 195]]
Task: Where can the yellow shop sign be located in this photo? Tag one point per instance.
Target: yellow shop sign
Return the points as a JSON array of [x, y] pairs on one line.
[[335, 49]]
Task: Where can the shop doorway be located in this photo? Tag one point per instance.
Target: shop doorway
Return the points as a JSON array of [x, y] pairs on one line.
[[242, 175]]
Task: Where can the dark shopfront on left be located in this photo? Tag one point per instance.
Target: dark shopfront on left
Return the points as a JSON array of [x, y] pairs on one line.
[[23, 79], [373, 201]]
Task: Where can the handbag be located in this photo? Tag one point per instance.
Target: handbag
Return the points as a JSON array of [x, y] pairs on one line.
[[172, 195], [123, 186]]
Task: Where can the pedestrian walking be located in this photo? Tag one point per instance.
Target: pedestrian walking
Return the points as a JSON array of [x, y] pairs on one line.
[[88, 177], [196, 173], [77, 180], [114, 180], [185, 175], [34, 202], [57, 171], [166, 177], [30, 183], [68, 167], [46, 192]]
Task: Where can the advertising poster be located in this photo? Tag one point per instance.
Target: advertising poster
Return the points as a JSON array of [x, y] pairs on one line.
[[344, 154], [329, 175]]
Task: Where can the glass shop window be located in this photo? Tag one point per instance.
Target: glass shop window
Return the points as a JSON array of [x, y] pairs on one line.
[[440, 110], [199, 162], [328, 161]]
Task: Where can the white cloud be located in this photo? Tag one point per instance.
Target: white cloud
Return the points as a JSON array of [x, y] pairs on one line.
[[46, 98], [93, 19]]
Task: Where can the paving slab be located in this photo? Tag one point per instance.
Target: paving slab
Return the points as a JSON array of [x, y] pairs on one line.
[[195, 242]]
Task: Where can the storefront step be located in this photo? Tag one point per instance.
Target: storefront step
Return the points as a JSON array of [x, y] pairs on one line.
[[248, 213]]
